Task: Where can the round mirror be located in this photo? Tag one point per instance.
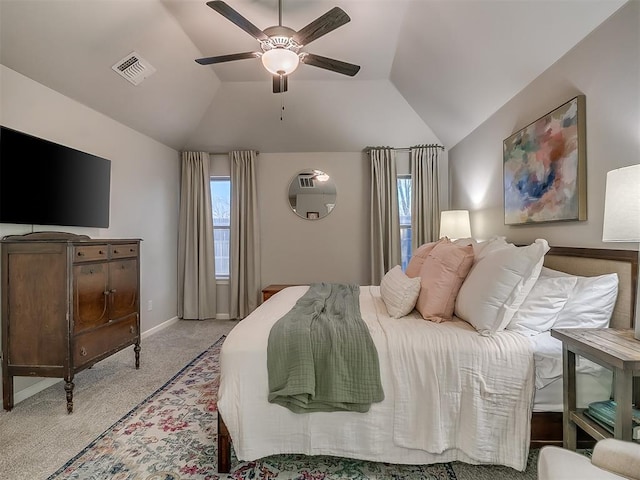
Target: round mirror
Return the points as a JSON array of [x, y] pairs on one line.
[[312, 194]]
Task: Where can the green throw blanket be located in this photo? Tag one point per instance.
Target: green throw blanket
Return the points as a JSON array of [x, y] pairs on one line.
[[320, 355]]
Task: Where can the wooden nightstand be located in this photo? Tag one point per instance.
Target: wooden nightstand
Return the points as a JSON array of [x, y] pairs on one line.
[[614, 349], [271, 290]]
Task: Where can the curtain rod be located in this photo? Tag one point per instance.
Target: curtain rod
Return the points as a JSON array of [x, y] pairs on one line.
[[227, 153], [406, 149]]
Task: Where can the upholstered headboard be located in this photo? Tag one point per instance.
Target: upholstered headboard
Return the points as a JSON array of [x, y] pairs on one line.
[[595, 261]]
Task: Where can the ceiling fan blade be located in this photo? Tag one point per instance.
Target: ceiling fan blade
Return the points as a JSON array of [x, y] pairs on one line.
[[334, 18], [280, 83], [230, 14], [330, 64], [226, 58]]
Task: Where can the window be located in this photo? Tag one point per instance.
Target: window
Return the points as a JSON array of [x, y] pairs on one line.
[[221, 210], [404, 207]]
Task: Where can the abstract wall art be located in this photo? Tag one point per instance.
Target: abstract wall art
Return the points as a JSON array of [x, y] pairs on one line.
[[544, 167]]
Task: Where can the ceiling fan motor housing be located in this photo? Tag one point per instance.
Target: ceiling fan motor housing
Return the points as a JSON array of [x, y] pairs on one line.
[[279, 37]]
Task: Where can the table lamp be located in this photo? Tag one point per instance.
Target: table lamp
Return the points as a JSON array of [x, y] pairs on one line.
[[622, 216], [455, 224]]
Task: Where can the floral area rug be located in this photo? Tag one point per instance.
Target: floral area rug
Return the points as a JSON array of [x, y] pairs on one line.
[[172, 436]]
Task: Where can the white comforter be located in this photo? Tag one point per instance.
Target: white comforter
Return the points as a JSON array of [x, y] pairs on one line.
[[450, 393]]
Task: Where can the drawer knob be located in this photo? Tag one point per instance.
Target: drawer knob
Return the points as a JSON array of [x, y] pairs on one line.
[[113, 290], [81, 254], [106, 292], [115, 251], [100, 252], [132, 329], [83, 351]]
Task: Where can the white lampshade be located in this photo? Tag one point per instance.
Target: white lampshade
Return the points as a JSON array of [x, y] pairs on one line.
[[455, 224], [280, 61], [622, 205], [622, 215]]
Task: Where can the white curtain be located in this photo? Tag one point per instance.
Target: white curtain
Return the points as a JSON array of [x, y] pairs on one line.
[[196, 274], [425, 194], [385, 222], [244, 248]]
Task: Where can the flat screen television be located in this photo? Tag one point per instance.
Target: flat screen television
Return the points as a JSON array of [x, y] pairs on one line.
[[44, 183]]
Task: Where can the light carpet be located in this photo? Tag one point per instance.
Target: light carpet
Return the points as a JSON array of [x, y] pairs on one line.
[[172, 436]]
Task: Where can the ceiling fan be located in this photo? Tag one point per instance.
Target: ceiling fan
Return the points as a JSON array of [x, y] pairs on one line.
[[280, 46]]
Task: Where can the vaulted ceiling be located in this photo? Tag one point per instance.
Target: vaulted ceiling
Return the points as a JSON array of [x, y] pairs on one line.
[[431, 70]]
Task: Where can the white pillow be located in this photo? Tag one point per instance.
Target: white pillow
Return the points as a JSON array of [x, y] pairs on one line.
[[591, 302], [482, 249], [399, 292], [464, 241], [541, 308], [498, 284], [548, 272]]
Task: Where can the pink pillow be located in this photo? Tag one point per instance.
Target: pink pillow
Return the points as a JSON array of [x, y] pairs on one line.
[[442, 274], [418, 257]]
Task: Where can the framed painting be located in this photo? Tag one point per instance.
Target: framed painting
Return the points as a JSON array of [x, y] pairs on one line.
[[544, 168]]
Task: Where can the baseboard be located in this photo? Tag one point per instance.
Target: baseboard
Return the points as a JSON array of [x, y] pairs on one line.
[[171, 321], [157, 328]]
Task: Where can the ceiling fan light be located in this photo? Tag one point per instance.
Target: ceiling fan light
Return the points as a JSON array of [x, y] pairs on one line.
[[280, 61]]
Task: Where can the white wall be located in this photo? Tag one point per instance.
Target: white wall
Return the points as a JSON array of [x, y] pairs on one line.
[[144, 185], [331, 249], [334, 248], [605, 67], [318, 116]]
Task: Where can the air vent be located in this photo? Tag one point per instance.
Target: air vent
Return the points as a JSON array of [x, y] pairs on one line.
[[134, 68], [306, 182]]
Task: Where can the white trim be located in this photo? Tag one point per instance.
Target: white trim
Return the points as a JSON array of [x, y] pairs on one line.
[[157, 328]]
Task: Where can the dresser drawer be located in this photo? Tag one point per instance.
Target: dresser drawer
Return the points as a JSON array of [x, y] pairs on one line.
[[125, 250], [90, 253], [104, 341]]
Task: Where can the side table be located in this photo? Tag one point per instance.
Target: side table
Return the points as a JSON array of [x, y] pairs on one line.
[[614, 349]]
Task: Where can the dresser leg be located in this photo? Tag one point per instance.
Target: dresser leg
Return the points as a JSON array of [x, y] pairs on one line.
[[7, 391], [68, 387], [136, 349]]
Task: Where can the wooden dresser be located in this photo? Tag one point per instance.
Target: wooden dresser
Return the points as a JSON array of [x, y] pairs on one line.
[[68, 301]]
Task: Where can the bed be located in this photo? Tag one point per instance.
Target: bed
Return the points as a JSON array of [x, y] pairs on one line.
[[406, 427]]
